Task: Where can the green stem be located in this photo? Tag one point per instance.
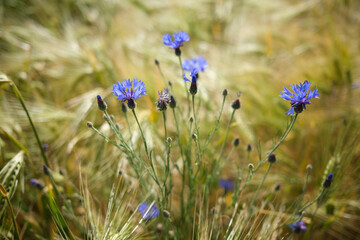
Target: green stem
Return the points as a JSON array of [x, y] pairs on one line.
[[164, 118], [142, 134], [258, 189], [186, 90], [17, 235], [22, 102]]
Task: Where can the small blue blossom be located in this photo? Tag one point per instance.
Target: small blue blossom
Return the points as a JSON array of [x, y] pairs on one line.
[[328, 181], [179, 39], [300, 98], [147, 213], [298, 226], [129, 90], [199, 63], [227, 184]]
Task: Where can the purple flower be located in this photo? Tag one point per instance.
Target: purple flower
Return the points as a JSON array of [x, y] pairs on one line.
[[199, 63], [179, 39], [193, 74], [163, 99], [147, 213], [128, 90], [298, 226], [300, 98], [227, 184]]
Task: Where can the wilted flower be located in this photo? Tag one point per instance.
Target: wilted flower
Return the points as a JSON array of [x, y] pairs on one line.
[[179, 39], [147, 213], [300, 98], [298, 226], [163, 99], [198, 63], [129, 90], [227, 184]]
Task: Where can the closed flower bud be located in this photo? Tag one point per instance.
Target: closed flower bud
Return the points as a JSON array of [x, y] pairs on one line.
[[236, 142], [89, 124], [123, 108], [248, 148], [191, 119], [251, 166], [170, 83], [328, 181], [193, 88], [225, 92], [277, 187], [101, 104], [157, 62], [272, 158], [36, 183], [46, 170], [169, 139], [172, 102], [236, 104]]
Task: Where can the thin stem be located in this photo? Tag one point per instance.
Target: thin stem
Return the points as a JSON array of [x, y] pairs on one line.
[[186, 90], [142, 134], [164, 118], [17, 235], [22, 102], [259, 187], [128, 125], [226, 135]]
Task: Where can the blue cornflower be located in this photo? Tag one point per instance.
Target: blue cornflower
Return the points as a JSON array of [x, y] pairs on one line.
[[179, 39], [227, 184], [300, 98], [163, 99], [199, 63], [129, 90], [147, 213], [298, 226]]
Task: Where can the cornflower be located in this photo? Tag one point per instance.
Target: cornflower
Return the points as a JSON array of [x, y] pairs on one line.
[[227, 184], [198, 63], [179, 38], [147, 213], [129, 90], [300, 98], [298, 226]]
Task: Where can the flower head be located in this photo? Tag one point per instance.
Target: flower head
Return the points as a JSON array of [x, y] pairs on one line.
[[298, 226], [179, 38], [227, 184], [148, 213], [300, 98], [198, 63], [163, 99], [129, 90]]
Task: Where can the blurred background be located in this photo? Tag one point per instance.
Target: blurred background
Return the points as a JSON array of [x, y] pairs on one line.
[[61, 54]]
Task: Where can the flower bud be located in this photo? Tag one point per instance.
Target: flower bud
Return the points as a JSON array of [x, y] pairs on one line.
[[251, 166], [328, 181], [194, 136], [236, 142], [309, 167], [277, 187], [272, 158], [248, 148], [36, 183], [123, 108], [169, 139], [225, 92], [90, 124], [101, 104], [157, 62], [46, 170], [236, 104], [172, 102], [191, 119]]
